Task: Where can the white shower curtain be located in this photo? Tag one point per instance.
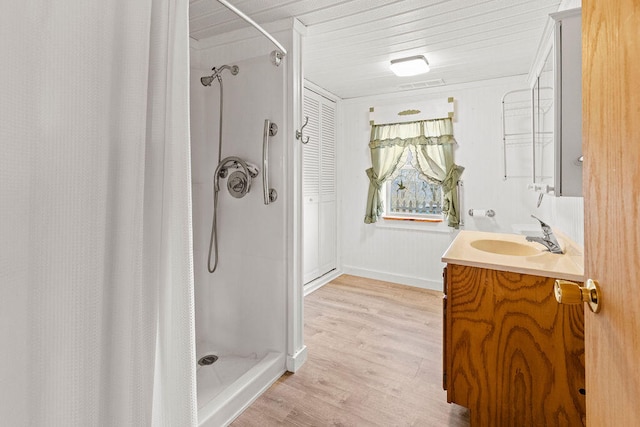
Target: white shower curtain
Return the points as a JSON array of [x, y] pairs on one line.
[[96, 280]]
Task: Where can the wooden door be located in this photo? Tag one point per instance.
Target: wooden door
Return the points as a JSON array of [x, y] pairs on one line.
[[611, 139]]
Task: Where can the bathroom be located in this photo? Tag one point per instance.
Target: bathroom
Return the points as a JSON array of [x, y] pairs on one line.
[[110, 220]]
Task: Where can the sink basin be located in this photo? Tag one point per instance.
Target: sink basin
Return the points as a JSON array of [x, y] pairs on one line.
[[504, 247]]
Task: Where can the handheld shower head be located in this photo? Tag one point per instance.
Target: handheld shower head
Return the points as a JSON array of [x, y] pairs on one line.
[[207, 80]]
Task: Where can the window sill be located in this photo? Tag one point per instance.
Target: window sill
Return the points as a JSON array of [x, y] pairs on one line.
[[415, 224], [408, 218]]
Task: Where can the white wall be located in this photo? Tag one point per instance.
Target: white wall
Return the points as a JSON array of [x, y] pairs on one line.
[[567, 215], [412, 255]]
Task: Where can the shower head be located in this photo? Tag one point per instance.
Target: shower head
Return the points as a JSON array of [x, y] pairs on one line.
[[207, 80]]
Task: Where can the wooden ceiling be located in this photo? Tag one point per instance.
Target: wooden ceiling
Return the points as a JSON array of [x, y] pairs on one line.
[[349, 43]]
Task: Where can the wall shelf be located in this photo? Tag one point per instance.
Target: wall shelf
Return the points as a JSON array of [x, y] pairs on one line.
[[516, 126]]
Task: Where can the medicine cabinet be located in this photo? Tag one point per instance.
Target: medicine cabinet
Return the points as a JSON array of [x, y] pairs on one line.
[[557, 108]]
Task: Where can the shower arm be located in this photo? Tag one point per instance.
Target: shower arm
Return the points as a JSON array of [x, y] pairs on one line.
[[254, 24], [216, 71]]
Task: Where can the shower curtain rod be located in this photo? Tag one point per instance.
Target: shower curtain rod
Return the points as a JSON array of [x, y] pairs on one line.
[[255, 25]]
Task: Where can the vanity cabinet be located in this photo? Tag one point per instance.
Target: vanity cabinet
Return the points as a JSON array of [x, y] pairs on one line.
[[512, 354]]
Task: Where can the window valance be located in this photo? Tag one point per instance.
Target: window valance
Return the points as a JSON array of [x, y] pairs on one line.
[[423, 132]]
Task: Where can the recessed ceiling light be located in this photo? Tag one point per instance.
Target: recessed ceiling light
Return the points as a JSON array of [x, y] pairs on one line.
[[410, 66]]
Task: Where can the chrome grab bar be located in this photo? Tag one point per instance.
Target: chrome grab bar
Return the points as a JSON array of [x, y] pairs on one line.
[[270, 194]]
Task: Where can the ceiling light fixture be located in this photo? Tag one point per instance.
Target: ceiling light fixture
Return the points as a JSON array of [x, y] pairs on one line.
[[411, 66]]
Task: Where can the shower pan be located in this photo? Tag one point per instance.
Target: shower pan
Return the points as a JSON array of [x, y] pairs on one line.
[[241, 307]]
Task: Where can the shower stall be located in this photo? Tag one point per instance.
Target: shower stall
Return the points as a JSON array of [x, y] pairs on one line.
[[247, 301]]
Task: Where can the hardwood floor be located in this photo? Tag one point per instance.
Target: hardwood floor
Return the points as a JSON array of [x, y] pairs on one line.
[[375, 359]]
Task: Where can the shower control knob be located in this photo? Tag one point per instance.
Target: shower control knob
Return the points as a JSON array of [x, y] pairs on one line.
[[238, 184]]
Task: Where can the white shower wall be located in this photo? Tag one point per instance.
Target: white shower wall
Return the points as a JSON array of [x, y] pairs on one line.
[[241, 308]]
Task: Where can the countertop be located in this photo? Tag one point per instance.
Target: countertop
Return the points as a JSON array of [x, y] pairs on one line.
[[567, 266]]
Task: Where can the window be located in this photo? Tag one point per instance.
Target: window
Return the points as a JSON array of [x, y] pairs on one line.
[[413, 156], [410, 196]]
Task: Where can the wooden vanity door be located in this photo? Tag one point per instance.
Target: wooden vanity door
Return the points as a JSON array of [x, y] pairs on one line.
[[515, 356], [611, 144]]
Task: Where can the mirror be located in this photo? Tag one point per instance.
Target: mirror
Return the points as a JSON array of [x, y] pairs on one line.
[[557, 111]]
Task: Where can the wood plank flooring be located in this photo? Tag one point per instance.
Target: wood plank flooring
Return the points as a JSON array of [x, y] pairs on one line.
[[375, 359]]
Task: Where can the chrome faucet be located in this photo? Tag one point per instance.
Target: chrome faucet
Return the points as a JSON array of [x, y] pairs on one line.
[[549, 240]]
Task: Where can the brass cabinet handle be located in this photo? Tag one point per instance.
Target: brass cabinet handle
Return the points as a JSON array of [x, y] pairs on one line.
[[567, 292]]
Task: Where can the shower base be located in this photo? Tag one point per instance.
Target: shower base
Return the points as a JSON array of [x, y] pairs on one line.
[[232, 383]]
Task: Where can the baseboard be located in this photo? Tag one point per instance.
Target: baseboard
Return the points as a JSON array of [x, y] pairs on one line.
[[297, 360], [316, 284], [395, 278]]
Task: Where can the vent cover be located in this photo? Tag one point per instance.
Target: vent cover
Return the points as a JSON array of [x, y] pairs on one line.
[[422, 85]]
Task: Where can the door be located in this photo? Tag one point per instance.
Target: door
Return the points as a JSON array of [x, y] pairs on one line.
[[611, 139], [319, 207]]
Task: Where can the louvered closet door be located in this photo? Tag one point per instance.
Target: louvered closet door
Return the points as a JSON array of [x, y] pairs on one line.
[[311, 190], [319, 187]]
